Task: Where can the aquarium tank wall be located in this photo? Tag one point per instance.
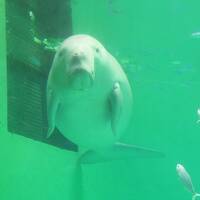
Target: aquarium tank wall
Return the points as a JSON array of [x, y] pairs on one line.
[[157, 46]]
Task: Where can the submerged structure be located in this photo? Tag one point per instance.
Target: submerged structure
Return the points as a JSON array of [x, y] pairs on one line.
[[28, 63]]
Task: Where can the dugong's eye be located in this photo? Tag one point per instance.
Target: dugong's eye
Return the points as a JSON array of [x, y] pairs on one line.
[[61, 53], [97, 50]]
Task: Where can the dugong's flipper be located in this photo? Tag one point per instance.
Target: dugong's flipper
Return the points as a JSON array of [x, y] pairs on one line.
[[52, 107], [116, 100], [119, 151]]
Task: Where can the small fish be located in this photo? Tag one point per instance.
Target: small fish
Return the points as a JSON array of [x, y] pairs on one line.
[[176, 62], [37, 40], [195, 35], [186, 180], [198, 113], [31, 15]]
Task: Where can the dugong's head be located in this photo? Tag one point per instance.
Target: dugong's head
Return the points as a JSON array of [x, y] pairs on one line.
[[76, 59]]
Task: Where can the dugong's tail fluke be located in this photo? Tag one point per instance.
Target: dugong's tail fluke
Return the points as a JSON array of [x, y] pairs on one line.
[[119, 151], [134, 150], [195, 196]]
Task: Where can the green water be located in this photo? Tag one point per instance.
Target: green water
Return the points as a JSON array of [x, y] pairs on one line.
[[157, 44]]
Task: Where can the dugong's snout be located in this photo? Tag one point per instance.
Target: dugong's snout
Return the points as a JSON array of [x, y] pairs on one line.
[[81, 71]]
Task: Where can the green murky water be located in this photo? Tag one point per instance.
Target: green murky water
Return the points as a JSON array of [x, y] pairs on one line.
[[158, 46]]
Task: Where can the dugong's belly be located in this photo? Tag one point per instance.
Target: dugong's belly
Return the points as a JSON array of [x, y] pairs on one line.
[[85, 120]]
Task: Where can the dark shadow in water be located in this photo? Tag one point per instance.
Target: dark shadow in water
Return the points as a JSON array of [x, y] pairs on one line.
[[78, 182]]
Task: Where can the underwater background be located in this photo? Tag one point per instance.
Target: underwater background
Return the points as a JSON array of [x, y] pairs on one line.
[[158, 45]]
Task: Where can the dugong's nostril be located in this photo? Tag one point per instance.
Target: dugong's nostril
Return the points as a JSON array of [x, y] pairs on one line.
[[75, 54], [75, 60], [78, 54]]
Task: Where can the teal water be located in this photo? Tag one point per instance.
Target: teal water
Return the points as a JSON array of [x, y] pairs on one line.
[[158, 44]]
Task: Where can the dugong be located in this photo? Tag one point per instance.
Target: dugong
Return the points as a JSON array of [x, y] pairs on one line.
[[89, 99]]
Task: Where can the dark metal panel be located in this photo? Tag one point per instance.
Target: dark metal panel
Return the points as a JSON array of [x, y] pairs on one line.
[[29, 63]]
